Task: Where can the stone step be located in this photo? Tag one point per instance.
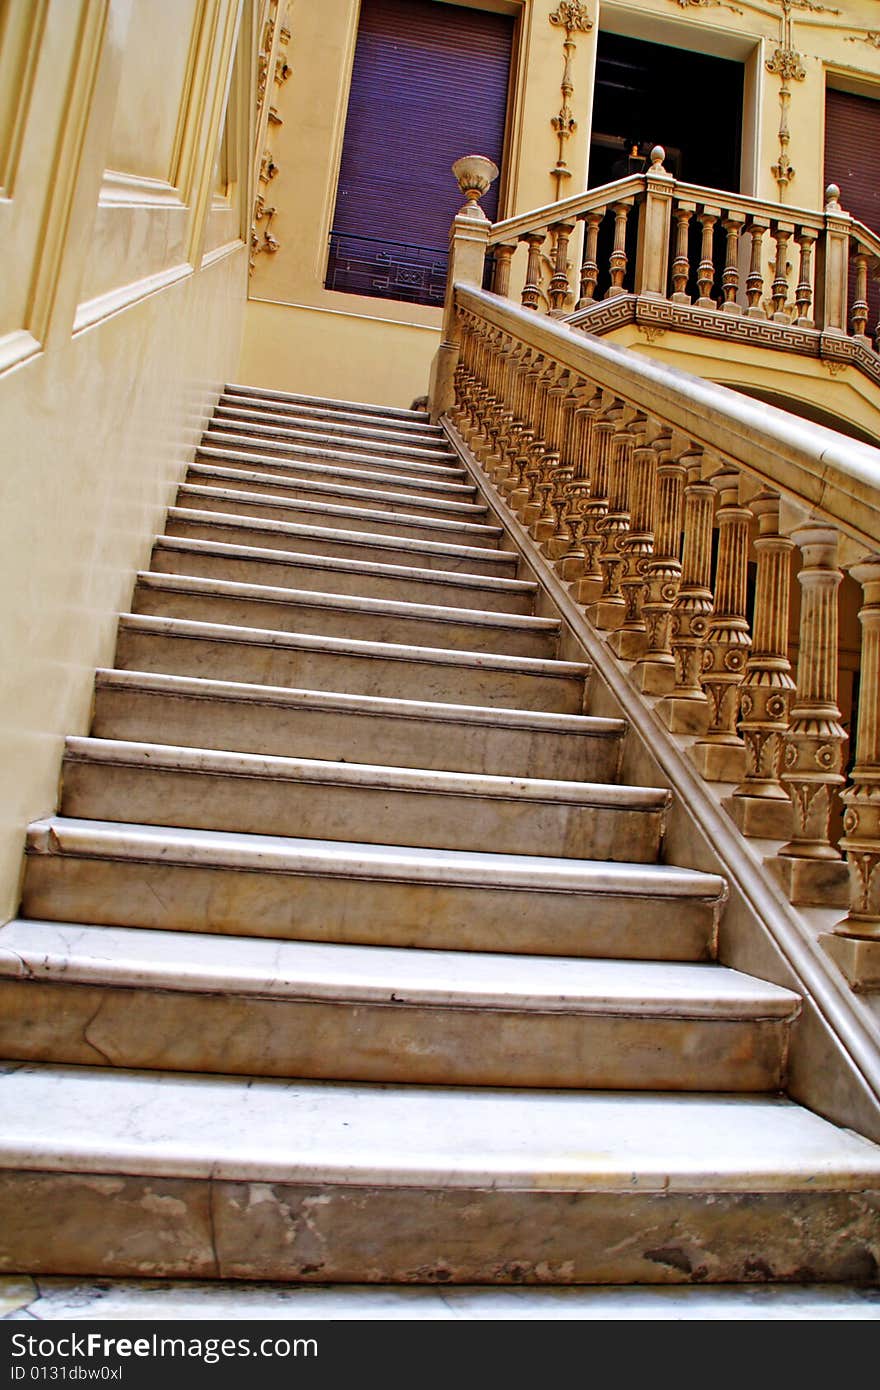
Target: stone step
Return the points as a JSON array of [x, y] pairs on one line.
[[193, 712], [242, 1177], [262, 794], [342, 615], [363, 442], [233, 884], [361, 578], [328, 456], [375, 520], [263, 656], [331, 542], [252, 415], [240, 452], [344, 493], [171, 1001], [329, 405]]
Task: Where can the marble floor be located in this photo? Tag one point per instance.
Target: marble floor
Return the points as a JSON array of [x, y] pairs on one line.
[[49, 1299]]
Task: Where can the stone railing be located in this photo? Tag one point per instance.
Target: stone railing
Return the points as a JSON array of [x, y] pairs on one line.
[[674, 255], [622, 468]]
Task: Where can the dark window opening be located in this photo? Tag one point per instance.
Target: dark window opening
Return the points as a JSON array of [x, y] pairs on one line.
[[429, 84]]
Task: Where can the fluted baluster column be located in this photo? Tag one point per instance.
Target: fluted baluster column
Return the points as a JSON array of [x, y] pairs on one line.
[[779, 290], [562, 539], [609, 610], [588, 586], [499, 464], [531, 291], [617, 261], [733, 223], [760, 805], [559, 286], [809, 866], [530, 507], [529, 370], [720, 754], [462, 411], [755, 278], [573, 560], [543, 525], [654, 674], [681, 266], [590, 265], [803, 295], [855, 942], [859, 310], [706, 269], [685, 710], [501, 278], [630, 639]]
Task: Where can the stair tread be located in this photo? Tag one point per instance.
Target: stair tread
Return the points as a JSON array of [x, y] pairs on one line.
[[331, 563], [250, 417], [389, 651], [312, 433], [495, 716], [367, 775], [442, 487], [75, 952], [100, 1120], [245, 476], [235, 389], [365, 539], [316, 598], [411, 519], [396, 863]]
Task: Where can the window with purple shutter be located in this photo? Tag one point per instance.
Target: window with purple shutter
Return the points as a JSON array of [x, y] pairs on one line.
[[429, 84]]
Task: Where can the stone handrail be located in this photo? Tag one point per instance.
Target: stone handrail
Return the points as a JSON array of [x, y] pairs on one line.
[[621, 467], [698, 252]]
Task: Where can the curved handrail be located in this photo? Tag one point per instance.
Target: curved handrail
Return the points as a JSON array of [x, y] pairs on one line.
[[512, 228]]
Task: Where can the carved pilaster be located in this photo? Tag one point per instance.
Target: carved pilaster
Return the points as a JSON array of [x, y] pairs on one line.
[[760, 805], [686, 709], [809, 866]]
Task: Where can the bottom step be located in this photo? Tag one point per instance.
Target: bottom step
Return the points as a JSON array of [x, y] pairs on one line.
[[134, 1173]]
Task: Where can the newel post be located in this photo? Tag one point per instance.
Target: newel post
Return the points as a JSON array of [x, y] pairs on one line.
[[832, 271], [468, 240], [655, 219]]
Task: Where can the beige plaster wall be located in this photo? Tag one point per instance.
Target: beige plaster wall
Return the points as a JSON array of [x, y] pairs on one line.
[[833, 44], [102, 397]]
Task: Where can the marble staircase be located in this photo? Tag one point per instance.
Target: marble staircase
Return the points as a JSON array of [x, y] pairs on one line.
[[352, 955]]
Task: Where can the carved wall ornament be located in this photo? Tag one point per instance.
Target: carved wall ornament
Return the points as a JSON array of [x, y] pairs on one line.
[[872, 36], [786, 64], [708, 5], [572, 16]]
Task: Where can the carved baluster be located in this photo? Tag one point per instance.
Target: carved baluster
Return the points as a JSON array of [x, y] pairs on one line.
[[732, 225], [589, 585], [533, 473], [617, 261], [571, 563], [706, 269], [559, 287], [859, 311], [590, 265], [779, 291], [531, 291], [501, 278], [609, 610], [755, 278], [760, 805], [803, 295], [529, 369], [499, 464], [637, 546], [654, 674], [809, 866], [855, 943], [686, 710], [681, 266], [562, 539], [544, 524], [720, 754]]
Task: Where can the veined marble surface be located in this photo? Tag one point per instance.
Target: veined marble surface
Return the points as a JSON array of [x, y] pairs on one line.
[[48, 1299]]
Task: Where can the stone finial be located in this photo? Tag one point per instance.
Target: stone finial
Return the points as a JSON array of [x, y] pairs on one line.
[[832, 198], [658, 154], [475, 173]]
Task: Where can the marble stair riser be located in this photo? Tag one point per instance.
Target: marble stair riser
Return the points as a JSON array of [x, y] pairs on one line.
[[342, 492], [408, 470], [309, 615], [239, 565], [176, 1030], [405, 673], [252, 407], [373, 811], [331, 542], [398, 739], [239, 456], [331, 407], [376, 520], [257, 425]]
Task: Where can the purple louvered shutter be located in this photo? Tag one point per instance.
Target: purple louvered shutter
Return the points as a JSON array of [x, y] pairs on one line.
[[429, 84], [852, 161]]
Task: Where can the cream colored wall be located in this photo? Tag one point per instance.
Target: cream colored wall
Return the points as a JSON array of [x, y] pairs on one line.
[[102, 395], [350, 332]]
